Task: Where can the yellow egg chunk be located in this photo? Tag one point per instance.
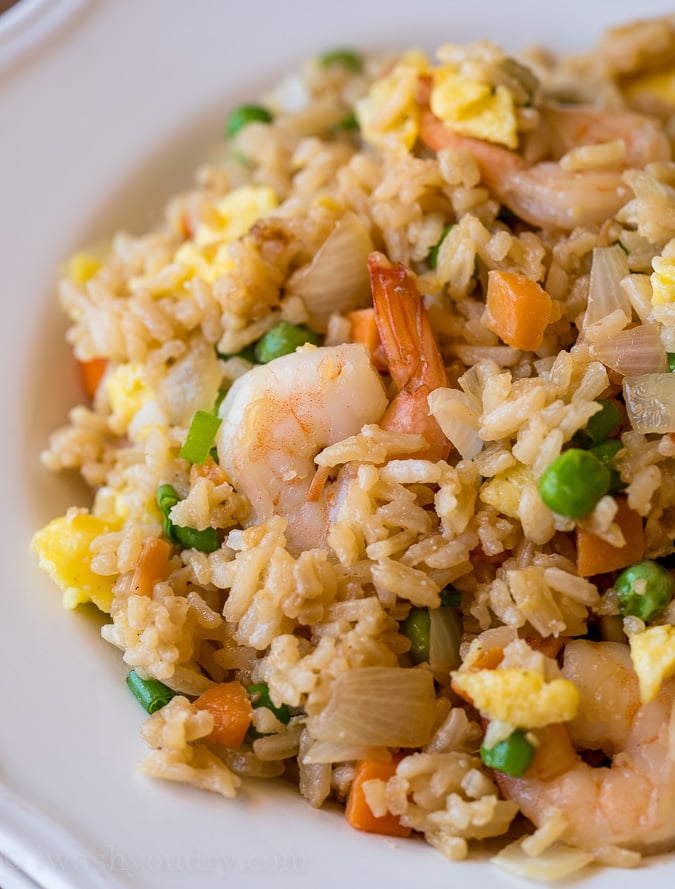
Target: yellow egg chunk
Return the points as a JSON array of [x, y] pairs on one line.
[[653, 654], [663, 280], [522, 698], [81, 267], [389, 114], [207, 263], [660, 85], [236, 213], [63, 548], [504, 491], [472, 108], [126, 391]]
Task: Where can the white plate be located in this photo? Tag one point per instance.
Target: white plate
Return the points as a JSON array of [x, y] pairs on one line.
[[105, 108]]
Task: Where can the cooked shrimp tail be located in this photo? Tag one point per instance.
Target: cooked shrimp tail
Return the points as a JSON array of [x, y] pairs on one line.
[[415, 362]]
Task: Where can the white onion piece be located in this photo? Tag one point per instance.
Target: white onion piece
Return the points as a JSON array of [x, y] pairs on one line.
[[633, 352], [389, 706], [335, 751], [444, 637], [650, 401], [605, 294], [457, 415], [190, 384], [558, 861], [337, 279]]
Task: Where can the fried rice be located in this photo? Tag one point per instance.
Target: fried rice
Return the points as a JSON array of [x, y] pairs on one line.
[[380, 428]]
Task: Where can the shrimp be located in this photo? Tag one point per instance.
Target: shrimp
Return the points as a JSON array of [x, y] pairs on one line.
[[278, 416], [545, 194], [629, 804], [415, 363]]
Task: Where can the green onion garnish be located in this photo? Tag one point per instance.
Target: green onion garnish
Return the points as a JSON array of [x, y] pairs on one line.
[[150, 693], [346, 58], [189, 538], [260, 697], [244, 115], [200, 437], [433, 253], [450, 597]]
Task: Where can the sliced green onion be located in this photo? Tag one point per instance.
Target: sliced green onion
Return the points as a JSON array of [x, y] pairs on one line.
[[600, 426], [260, 697], [283, 339], [348, 122], [607, 451], [433, 253], [346, 58], [248, 353], [190, 538], [150, 693], [671, 362], [244, 115], [511, 756], [450, 597], [417, 627], [200, 437]]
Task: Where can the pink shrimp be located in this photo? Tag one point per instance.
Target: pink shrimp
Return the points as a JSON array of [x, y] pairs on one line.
[[415, 362], [545, 194], [630, 803]]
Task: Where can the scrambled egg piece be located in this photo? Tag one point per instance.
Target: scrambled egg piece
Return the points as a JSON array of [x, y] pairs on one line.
[[663, 276], [659, 85], [207, 256], [519, 697], [127, 391], [63, 549], [81, 267], [503, 492], [653, 654], [476, 109], [389, 115]]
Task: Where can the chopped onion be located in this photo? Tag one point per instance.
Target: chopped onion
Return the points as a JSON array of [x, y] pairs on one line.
[[389, 706], [457, 415], [633, 352], [336, 751], [650, 401], [605, 294], [337, 279], [557, 861], [444, 637]]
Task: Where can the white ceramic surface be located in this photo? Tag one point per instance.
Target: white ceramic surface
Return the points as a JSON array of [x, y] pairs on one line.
[[105, 108]]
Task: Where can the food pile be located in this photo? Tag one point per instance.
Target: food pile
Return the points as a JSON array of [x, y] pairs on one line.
[[379, 423]]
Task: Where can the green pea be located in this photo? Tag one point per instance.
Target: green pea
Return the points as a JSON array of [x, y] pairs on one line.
[[282, 339], [417, 627], [644, 589], [574, 482], [244, 115], [512, 756], [432, 259], [671, 362], [600, 426], [346, 58], [607, 451]]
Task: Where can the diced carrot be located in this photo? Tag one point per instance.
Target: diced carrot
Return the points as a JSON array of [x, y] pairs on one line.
[[518, 309], [489, 659], [364, 330], [231, 708], [596, 556], [358, 812], [91, 373], [152, 566]]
